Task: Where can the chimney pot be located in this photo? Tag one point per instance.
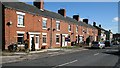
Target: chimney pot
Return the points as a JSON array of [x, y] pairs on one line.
[[76, 17], [99, 25], [85, 20], [39, 4], [94, 23], [62, 12]]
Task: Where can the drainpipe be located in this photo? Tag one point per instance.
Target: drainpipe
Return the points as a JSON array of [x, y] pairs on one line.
[[51, 34]]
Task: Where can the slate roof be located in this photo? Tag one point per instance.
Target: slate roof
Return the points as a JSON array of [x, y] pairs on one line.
[[91, 26], [100, 28], [34, 10]]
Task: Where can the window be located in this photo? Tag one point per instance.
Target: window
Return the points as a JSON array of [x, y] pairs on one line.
[[44, 38], [68, 38], [57, 38], [37, 39], [20, 38], [77, 28], [44, 24], [69, 27], [87, 31], [58, 25], [20, 20]]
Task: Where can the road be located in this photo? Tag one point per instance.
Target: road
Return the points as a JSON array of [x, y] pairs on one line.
[[107, 57]]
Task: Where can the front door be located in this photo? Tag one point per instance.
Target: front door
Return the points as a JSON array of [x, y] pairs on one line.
[[37, 42], [64, 43], [31, 41]]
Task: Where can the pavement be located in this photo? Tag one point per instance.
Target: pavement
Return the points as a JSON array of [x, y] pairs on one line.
[[20, 56]]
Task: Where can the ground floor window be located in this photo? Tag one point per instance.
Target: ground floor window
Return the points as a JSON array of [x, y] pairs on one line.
[[44, 38], [68, 38], [57, 38], [20, 38], [37, 39]]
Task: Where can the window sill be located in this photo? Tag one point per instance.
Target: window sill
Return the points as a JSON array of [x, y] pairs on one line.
[[57, 43], [69, 42], [44, 44], [21, 45], [20, 26], [44, 28], [58, 30]]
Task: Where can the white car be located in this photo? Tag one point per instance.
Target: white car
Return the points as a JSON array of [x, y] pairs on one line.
[[100, 45]]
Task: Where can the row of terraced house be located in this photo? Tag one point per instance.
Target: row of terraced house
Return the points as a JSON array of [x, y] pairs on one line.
[[43, 28]]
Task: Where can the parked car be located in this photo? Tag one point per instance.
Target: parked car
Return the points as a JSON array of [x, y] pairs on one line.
[[96, 44], [107, 43]]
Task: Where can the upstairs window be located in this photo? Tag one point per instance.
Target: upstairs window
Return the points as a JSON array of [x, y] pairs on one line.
[[58, 25], [69, 27], [44, 24], [77, 28], [20, 20]]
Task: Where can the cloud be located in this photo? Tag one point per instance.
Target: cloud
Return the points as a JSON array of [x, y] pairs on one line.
[[116, 19]]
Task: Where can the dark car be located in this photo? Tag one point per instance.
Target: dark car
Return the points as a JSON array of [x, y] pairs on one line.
[[107, 43], [96, 44]]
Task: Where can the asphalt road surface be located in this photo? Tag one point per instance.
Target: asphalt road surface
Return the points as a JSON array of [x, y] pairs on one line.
[[108, 57]]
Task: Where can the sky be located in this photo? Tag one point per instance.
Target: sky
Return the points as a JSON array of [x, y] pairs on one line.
[[104, 13]]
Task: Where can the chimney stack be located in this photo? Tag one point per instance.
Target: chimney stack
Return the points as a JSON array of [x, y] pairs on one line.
[[76, 17], [85, 20], [99, 25], [109, 30], [94, 23], [62, 12], [39, 4]]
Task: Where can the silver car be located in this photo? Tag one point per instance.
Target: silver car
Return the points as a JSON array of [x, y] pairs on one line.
[[100, 45]]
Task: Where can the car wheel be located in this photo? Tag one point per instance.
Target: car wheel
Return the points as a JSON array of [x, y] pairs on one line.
[[100, 47], [103, 48]]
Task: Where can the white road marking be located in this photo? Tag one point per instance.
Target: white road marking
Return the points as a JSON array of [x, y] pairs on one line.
[[65, 63], [111, 50], [96, 54]]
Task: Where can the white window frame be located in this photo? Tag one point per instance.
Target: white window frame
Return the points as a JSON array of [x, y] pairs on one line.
[[20, 32], [59, 38], [57, 22], [77, 28], [87, 31], [70, 39], [69, 27], [44, 19], [42, 39], [20, 14]]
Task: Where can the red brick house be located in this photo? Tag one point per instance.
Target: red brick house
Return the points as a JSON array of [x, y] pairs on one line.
[[42, 28]]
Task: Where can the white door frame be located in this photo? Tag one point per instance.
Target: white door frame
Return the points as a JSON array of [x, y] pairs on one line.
[[32, 34], [31, 41], [37, 44], [64, 43]]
